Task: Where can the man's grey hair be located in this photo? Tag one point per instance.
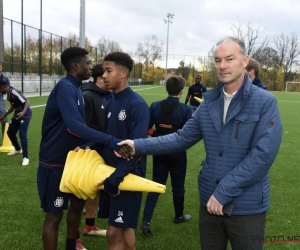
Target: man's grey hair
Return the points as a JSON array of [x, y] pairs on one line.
[[236, 40]]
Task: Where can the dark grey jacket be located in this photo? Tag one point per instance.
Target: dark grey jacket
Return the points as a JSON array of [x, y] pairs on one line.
[[94, 99]]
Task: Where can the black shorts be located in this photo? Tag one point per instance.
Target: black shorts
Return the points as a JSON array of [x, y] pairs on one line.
[[52, 199], [122, 210]]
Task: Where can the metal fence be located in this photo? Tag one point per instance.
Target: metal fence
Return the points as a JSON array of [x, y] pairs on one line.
[[32, 57]]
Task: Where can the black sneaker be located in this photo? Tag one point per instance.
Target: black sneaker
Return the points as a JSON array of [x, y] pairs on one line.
[[182, 219], [146, 230]]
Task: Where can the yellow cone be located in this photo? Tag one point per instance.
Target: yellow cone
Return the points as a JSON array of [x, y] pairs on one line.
[[6, 145], [198, 99], [73, 173], [85, 168]]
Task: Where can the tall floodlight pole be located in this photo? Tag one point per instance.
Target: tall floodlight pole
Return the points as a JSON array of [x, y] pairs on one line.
[[167, 21], [82, 24], [41, 46], [1, 32], [22, 45]]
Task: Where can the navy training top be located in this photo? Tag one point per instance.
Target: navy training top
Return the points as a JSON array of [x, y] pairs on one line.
[[258, 83], [63, 127], [127, 117], [17, 100], [179, 117], [195, 90]]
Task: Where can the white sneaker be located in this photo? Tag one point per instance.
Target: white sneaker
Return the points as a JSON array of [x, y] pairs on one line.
[[15, 152], [25, 161]]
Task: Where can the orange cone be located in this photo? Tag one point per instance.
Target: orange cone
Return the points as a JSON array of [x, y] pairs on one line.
[[6, 145], [85, 168]]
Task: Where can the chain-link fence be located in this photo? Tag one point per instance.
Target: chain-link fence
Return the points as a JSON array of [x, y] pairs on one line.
[[32, 57]]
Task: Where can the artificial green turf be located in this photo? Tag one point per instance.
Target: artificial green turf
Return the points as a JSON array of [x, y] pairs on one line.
[[21, 219]]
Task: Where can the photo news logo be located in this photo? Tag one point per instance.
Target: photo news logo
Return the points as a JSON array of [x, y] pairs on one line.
[[276, 239]]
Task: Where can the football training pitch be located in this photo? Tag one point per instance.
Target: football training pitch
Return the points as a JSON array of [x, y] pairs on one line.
[[21, 219]]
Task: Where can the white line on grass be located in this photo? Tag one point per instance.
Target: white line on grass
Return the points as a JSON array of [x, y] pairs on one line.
[[38, 106], [155, 94], [287, 101], [147, 88]]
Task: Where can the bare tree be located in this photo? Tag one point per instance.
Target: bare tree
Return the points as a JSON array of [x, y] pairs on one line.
[[251, 36], [184, 70], [106, 46], [288, 49], [1, 32], [149, 51], [267, 57]]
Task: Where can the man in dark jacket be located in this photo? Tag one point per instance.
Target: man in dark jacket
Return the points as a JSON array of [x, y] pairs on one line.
[[94, 94], [195, 90], [253, 69]]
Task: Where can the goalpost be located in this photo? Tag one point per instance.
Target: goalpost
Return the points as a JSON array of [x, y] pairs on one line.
[[287, 83]]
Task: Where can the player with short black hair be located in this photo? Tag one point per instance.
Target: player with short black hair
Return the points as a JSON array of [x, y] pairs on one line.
[[97, 71], [64, 129], [120, 58], [127, 116], [195, 90], [71, 55]]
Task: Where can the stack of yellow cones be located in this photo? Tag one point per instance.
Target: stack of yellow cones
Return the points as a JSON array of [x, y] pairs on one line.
[[6, 145], [85, 168]]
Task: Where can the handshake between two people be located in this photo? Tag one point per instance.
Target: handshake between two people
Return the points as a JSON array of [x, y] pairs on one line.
[[127, 150]]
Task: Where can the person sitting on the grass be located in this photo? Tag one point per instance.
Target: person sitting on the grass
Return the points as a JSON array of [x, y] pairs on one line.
[[19, 104]]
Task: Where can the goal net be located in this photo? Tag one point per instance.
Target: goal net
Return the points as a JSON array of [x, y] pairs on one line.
[[292, 87]]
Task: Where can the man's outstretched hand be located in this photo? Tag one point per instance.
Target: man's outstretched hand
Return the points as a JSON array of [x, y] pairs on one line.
[[127, 150]]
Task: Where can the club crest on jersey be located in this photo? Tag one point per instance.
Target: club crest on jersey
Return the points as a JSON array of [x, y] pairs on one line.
[[59, 202], [122, 115]]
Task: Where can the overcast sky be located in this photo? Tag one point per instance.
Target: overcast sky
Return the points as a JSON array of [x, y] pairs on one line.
[[196, 27]]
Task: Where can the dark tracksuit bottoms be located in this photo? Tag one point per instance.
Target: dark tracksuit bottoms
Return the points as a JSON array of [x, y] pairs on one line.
[[21, 125], [162, 165], [168, 112]]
